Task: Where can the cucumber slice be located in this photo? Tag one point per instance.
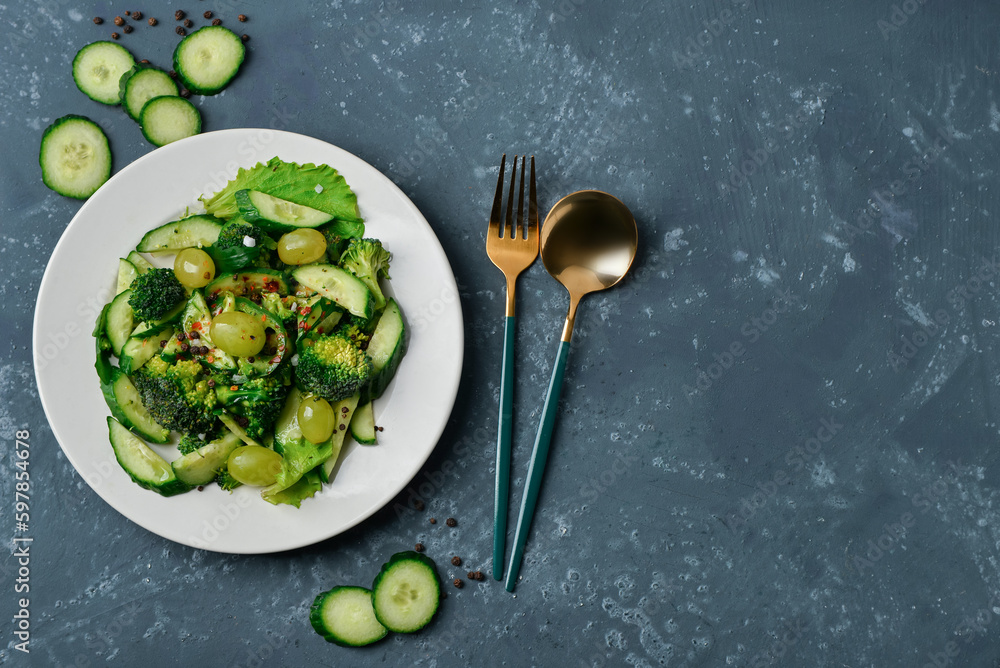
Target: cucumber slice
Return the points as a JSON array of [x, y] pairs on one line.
[[247, 284], [363, 425], [120, 322], [344, 615], [202, 466], [126, 274], [135, 415], [140, 85], [197, 318], [339, 286], [167, 118], [344, 410], [316, 311], [208, 59], [74, 156], [406, 592], [139, 350], [146, 468], [142, 265], [191, 232], [386, 348], [273, 214], [97, 69]]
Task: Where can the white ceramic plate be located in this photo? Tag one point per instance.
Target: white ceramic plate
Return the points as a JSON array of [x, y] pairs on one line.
[[80, 278]]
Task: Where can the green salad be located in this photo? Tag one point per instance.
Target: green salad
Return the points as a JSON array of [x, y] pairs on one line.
[[261, 349]]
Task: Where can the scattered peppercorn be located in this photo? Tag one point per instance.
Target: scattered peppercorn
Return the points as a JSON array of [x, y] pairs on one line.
[[115, 35], [185, 347], [451, 521], [179, 14], [418, 504], [480, 576], [152, 21], [471, 575], [144, 61], [187, 23], [163, 343], [245, 37], [434, 520], [201, 488], [343, 427], [379, 429], [173, 75], [419, 547], [119, 21], [185, 92], [127, 29], [98, 20], [211, 382], [458, 583], [456, 561], [136, 16], [208, 14], [242, 18], [128, 13], [217, 22], [180, 31], [180, 336]]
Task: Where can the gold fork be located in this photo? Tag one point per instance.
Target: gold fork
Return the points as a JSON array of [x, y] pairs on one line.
[[512, 248]]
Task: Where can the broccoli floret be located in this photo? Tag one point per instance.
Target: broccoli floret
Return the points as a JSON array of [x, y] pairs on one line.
[[226, 481], [241, 234], [366, 259], [178, 395], [338, 234], [278, 305], [357, 331], [333, 367], [191, 442], [256, 403], [154, 294]]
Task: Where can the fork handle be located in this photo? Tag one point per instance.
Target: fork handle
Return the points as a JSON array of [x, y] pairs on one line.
[[502, 494], [539, 455]]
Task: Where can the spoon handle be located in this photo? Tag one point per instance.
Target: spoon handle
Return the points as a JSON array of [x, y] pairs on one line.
[[502, 493], [536, 468]]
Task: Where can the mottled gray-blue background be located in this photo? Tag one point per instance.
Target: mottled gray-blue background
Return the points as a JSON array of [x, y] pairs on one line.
[[778, 440]]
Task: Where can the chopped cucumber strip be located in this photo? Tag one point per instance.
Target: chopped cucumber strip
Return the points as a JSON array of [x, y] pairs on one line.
[[146, 468], [274, 214], [203, 465], [142, 265], [75, 157], [190, 232], [339, 286], [386, 348], [363, 425], [167, 118], [208, 59], [135, 415], [97, 69], [126, 274], [120, 322]]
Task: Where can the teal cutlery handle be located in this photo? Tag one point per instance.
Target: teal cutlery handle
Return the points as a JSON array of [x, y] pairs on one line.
[[536, 468], [502, 494]]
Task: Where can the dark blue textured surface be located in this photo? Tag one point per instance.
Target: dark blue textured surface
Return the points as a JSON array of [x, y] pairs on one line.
[[777, 442]]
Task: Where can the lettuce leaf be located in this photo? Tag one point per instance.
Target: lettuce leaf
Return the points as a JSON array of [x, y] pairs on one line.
[[304, 488], [291, 181]]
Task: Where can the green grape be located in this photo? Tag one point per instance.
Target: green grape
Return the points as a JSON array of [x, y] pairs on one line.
[[254, 465], [316, 419], [194, 268], [301, 246], [238, 333]]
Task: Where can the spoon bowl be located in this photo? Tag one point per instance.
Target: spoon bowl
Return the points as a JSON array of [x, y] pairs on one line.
[[588, 243]]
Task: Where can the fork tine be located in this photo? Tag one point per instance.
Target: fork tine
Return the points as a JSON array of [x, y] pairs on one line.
[[508, 231], [520, 228], [531, 229], [494, 228]]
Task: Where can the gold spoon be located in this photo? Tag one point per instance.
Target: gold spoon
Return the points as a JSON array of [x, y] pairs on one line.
[[588, 243]]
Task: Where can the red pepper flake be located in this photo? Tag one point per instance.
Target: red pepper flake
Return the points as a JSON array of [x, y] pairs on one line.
[[196, 325], [305, 327], [234, 387], [305, 310], [210, 359]]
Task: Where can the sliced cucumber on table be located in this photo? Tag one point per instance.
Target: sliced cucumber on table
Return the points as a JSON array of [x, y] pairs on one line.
[[140, 85], [273, 214], [167, 118], [97, 69], [406, 592], [339, 286], [146, 468], [344, 615], [208, 59], [191, 232], [75, 157]]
